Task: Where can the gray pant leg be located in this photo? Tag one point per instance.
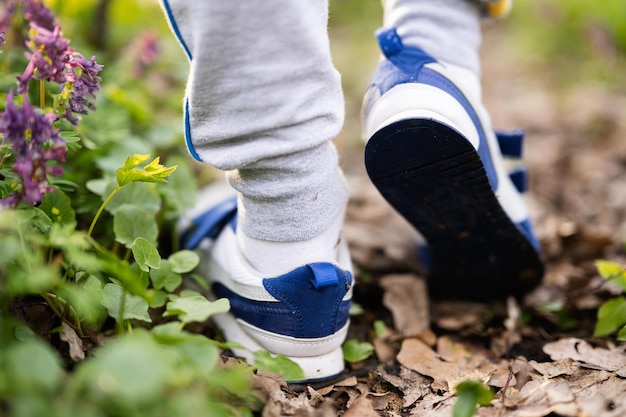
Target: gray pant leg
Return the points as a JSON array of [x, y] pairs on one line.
[[263, 102]]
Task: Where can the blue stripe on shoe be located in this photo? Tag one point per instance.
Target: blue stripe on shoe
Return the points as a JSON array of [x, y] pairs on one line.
[[210, 223], [526, 228], [519, 178], [302, 311], [511, 143]]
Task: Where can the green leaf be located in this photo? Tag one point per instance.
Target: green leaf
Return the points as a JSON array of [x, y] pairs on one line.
[[613, 272], [132, 222], [611, 316], [137, 194], [194, 307], [380, 329], [157, 298], [32, 366], [165, 277], [355, 351], [145, 254], [621, 335], [85, 299], [114, 298], [58, 206], [471, 394], [198, 351], [101, 186], [75, 245], [184, 261], [152, 172], [132, 369], [41, 220], [278, 364]]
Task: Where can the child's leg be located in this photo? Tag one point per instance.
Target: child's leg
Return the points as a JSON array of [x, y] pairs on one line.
[[263, 102], [433, 154]]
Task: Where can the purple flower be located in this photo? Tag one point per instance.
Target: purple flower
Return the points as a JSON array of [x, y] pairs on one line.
[[148, 52], [36, 12], [85, 79], [2, 40], [48, 58], [35, 143]]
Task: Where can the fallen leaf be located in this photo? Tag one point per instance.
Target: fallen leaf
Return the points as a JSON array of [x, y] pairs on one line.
[[361, 407], [75, 343], [411, 384], [316, 397], [612, 360], [384, 400], [407, 299]]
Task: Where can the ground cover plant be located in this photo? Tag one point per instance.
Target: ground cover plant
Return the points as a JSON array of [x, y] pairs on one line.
[[94, 319]]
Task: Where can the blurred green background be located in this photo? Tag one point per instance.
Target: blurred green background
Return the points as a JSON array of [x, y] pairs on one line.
[[566, 42]]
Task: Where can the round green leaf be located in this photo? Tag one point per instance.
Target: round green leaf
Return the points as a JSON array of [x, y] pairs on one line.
[[131, 369], [611, 316], [165, 277], [132, 222], [32, 365], [134, 307], [184, 261], [278, 364], [58, 206], [145, 254], [195, 308], [355, 351]]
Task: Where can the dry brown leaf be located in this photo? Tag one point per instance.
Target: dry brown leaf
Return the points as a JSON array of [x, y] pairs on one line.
[[383, 400], [385, 352], [75, 343], [361, 407], [434, 406], [556, 368], [412, 385], [316, 397], [612, 360], [348, 382], [452, 363], [407, 299]]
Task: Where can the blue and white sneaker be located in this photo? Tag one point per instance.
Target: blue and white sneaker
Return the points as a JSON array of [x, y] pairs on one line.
[[432, 155], [302, 314]]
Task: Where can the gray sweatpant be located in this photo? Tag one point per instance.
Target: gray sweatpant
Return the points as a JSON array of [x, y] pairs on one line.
[[264, 101]]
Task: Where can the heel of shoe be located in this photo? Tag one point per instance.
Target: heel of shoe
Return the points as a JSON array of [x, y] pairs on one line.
[[316, 367]]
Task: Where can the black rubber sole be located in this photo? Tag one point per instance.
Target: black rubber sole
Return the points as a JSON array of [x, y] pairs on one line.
[[434, 177]]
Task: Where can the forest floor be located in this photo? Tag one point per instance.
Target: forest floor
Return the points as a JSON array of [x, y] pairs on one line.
[[537, 353]]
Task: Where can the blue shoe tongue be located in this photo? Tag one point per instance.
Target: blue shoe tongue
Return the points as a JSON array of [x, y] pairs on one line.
[[324, 275]]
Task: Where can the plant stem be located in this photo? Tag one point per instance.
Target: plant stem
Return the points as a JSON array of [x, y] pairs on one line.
[[42, 95], [101, 209]]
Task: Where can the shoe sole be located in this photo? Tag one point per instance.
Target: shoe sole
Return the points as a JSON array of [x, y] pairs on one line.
[[316, 368], [435, 178]]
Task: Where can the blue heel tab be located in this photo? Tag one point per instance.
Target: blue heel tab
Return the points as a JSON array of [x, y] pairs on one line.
[[324, 275], [210, 223], [389, 41], [407, 58]]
